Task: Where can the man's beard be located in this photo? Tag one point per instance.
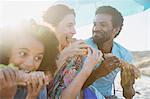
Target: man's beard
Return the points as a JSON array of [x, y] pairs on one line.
[[100, 39]]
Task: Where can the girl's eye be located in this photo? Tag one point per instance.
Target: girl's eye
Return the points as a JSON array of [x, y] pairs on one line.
[[22, 54], [38, 58]]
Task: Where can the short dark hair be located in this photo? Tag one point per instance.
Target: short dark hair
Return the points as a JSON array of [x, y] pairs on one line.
[[42, 34], [117, 18], [56, 13]]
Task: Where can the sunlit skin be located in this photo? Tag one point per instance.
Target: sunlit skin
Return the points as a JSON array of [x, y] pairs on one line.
[[65, 29], [103, 31], [27, 53], [64, 32]]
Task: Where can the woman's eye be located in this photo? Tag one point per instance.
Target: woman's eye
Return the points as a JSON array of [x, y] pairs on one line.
[[69, 25]]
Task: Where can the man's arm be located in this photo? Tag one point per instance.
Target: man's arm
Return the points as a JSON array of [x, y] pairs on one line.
[[108, 65]]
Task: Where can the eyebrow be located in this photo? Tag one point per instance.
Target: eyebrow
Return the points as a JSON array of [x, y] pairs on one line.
[[28, 50], [41, 53], [100, 22], [24, 49]]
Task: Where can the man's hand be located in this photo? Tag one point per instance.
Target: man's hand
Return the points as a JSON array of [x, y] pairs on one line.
[[128, 75], [110, 63], [129, 70]]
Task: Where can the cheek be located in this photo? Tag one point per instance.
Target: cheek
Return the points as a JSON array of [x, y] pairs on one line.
[[62, 34], [66, 30], [15, 59], [93, 28], [37, 65]]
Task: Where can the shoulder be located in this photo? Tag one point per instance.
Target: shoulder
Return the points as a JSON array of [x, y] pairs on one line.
[[89, 40], [91, 43], [124, 53]]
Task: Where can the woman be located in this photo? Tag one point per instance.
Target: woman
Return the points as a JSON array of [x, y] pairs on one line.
[[31, 48], [72, 71]]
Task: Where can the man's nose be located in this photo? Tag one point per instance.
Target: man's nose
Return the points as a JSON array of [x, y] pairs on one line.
[[96, 28]]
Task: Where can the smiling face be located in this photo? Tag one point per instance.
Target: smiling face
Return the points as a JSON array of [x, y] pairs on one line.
[[103, 30], [27, 53], [65, 29]]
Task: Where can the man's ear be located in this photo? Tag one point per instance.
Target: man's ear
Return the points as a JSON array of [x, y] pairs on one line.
[[115, 31]]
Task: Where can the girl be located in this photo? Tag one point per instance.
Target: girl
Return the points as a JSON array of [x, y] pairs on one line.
[[30, 48]]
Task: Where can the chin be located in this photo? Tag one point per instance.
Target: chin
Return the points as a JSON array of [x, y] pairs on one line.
[[98, 40]]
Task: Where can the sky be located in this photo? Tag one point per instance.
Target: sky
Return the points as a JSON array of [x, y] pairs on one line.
[[135, 34]]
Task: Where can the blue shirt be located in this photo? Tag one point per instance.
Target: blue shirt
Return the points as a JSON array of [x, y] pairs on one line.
[[104, 84]]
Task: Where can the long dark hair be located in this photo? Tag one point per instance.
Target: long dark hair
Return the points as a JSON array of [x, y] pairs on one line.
[[56, 13]]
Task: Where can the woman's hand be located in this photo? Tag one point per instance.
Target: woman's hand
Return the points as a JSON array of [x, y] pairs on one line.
[[76, 48], [8, 83], [36, 81], [94, 57], [74, 87]]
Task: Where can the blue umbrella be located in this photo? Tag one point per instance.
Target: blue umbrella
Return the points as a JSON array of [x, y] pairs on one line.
[[145, 3], [85, 9]]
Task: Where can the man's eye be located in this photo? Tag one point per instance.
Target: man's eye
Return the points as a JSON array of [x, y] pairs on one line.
[[22, 54], [103, 24], [94, 23]]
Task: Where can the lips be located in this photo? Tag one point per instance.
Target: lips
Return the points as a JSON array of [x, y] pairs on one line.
[[97, 35], [70, 39]]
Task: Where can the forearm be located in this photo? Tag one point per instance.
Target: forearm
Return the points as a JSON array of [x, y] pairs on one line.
[[75, 86], [92, 78]]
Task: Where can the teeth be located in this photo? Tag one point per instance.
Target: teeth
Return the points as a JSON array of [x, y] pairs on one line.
[[70, 39]]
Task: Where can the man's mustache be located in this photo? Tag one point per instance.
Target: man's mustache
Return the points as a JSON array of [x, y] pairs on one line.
[[98, 32]]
